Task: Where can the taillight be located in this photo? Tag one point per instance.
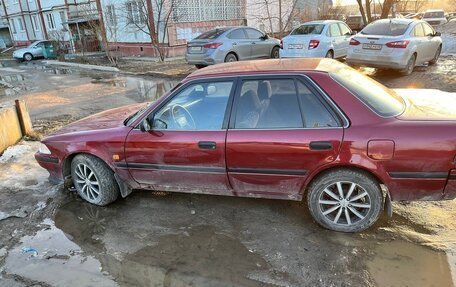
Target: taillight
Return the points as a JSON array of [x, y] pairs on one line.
[[354, 42], [212, 45], [313, 44], [398, 44], [281, 44]]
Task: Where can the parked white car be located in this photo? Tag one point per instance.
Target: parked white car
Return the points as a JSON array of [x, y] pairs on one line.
[[317, 39], [435, 17], [398, 44]]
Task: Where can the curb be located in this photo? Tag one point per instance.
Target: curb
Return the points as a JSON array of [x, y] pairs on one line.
[[82, 66]]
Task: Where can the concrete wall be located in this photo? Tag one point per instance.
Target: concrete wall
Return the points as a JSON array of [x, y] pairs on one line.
[[10, 128]]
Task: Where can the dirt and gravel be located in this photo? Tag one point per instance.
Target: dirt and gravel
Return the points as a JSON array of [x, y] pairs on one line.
[[151, 239]]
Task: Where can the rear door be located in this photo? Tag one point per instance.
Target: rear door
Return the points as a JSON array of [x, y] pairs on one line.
[[185, 150], [281, 129]]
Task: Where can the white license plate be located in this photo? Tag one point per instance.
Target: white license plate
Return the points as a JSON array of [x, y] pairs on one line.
[[295, 46], [195, 48], [372, 46]]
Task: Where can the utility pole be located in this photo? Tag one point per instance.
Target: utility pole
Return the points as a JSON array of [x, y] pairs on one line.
[[280, 19]]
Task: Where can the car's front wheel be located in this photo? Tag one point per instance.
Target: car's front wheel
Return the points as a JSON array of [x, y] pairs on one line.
[[94, 180], [275, 54], [436, 56], [28, 57], [345, 200]]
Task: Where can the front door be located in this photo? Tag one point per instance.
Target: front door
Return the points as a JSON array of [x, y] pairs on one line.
[[337, 39], [185, 149], [280, 130], [260, 47]]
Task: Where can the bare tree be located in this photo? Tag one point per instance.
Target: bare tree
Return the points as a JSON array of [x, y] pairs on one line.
[[277, 15]]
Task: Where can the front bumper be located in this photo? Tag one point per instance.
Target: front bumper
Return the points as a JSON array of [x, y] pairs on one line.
[[53, 165]]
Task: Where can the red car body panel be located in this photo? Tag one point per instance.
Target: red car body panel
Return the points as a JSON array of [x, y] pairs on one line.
[[412, 157]]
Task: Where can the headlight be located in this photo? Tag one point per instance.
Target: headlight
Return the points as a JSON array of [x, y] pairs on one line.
[[44, 149]]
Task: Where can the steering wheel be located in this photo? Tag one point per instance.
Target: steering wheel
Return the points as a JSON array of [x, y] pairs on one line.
[[182, 117]]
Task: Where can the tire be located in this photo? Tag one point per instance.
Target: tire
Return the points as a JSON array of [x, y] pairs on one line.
[[198, 66], [28, 57], [87, 166], [330, 54], [230, 58], [275, 54], [410, 66], [320, 189], [436, 56]]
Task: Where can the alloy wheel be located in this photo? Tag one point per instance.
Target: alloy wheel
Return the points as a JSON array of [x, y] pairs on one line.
[[87, 182], [344, 203]]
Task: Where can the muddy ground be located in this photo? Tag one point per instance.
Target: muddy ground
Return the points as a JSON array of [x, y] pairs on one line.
[[151, 239]]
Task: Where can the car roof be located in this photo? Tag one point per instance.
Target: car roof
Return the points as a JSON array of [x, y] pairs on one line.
[[321, 22], [396, 20], [278, 66]]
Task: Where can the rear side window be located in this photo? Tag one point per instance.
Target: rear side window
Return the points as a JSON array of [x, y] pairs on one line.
[[386, 28], [308, 29], [237, 34], [418, 31], [268, 104], [383, 101], [212, 34]]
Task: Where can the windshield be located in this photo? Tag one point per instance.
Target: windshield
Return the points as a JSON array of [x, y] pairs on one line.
[[212, 34], [131, 118], [380, 99], [385, 28], [308, 29], [434, 15]]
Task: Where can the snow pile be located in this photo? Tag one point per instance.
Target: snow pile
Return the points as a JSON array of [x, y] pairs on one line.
[[448, 38]]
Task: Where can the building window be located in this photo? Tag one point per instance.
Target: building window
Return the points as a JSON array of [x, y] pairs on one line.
[[50, 21], [111, 18], [136, 12], [35, 24], [208, 10], [13, 26], [62, 17], [20, 24]]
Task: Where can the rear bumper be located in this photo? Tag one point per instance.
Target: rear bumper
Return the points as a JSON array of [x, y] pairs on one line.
[[208, 58], [303, 53], [53, 165], [391, 61]]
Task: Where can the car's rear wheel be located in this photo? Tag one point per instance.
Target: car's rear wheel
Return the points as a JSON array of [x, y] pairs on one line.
[[231, 58], [94, 180], [198, 66], [28, 57], [330, 54], [410, 66], [275, 54], [345, 200], [436, 56]]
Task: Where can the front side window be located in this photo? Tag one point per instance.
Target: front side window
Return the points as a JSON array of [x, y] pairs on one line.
[[344, 28], [418, 31], [334, 30], [268, 104], [253, 34], [428, 31], [200, 106]]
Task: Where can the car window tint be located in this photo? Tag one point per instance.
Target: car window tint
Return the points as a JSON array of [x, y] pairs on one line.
[[253, 34], [334, 30], [237, 34], [418, 31], [428, 31], [345, 30], [212, 34], [198, 107], [387, 28], [268, 104], [308, 29], [383, 101], [314, 111]]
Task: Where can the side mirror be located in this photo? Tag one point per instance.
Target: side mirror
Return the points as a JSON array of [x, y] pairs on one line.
[[144, 125], [264, 37], [438, 34]]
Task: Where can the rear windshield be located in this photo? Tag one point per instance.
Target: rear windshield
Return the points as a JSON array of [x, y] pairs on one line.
[[212, 34], [308, 29], [434, 15], [383, 101], [386, 28]]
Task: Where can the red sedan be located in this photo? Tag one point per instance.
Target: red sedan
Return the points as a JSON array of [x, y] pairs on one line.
[[284, 129]]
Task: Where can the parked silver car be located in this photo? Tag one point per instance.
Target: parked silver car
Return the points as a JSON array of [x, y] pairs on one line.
[[395, 44], [230, 44], [34, 50], [317, 39]]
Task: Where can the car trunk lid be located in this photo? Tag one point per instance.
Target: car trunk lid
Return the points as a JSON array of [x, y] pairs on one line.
[[297, 44], [197, 46], [374, 44], [428, 105]]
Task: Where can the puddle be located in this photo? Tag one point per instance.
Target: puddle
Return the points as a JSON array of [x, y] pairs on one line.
[[399, 263]]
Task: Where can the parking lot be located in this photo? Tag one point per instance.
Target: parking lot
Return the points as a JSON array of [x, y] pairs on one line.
[[159, 239]]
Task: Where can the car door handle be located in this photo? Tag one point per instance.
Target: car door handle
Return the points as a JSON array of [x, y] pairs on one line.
[[320, 145], [207, 145], [234, 44], [253, 42]]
